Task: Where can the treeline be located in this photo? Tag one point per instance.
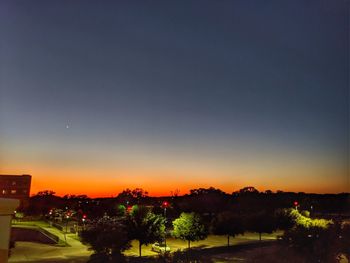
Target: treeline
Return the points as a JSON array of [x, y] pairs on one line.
[[206, 202]]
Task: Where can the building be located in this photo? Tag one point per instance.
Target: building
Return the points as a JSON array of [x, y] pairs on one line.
[[16, 187]]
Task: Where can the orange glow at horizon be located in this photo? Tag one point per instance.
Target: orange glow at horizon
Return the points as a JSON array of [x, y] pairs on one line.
[[105, 175], [100, 183]]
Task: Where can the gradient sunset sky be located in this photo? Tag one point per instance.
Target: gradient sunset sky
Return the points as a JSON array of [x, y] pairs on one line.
[[97, 97]]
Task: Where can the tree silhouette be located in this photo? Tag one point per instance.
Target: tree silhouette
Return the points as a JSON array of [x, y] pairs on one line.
[[203, 191], [261, 223], [227, 223], [205, 201], [248, 190], [189, 227], [46, 193], [132, 196]]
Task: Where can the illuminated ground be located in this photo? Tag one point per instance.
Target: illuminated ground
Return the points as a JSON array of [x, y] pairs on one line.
[[34, 252], [77, 252], [211, 241]]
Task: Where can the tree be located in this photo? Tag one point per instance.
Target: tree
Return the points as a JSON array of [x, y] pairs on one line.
[[139, 193], [46, 193], [227, 223], [262, 223], [43, 201], [284, 220], [189, 227], [145, 226], [203, 191], [207, 201], [311, 238], [121, 210], [248, 190], [132, 195], [107, 236]]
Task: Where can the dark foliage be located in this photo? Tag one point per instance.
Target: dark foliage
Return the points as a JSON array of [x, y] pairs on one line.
[[108, 236], [262, 222], [229, 224]]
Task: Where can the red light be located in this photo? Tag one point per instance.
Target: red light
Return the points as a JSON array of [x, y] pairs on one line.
[[295, 203], [84, 216], [165, 203]]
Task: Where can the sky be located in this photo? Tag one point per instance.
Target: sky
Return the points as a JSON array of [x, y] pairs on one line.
[[164, 95]]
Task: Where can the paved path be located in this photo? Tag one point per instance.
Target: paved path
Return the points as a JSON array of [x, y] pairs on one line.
[[34, 252], [75, 251]]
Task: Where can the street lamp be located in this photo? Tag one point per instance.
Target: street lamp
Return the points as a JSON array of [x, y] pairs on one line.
[[296, 205], [165, 205], [65, 232], [83, 219]]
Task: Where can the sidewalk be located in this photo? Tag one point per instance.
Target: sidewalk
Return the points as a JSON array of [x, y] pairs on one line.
[[35, 252]]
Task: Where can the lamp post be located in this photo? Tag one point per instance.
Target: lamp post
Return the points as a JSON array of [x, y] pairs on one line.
[[83, 219], [165, 205], [296, 205], [65, 232]]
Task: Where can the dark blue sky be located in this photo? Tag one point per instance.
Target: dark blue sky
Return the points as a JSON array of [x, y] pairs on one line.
[[150, 82]]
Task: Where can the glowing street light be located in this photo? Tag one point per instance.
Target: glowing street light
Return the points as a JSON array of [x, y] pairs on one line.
[[84, 219], [65, 232], [296, 205], [165, 204]]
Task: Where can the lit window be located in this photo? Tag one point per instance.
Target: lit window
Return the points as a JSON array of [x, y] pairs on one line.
[[13, 191], [3, 192]]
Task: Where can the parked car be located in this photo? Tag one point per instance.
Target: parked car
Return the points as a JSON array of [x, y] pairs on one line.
[[160, 248]]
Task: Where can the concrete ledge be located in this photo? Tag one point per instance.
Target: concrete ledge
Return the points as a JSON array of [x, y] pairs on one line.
[[33, 234], [7, 208]]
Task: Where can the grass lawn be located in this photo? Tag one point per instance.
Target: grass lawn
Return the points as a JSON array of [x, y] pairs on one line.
[[211, 242]]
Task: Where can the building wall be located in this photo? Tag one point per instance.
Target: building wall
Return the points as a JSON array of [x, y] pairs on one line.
[[7, 207], [16, 187]]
